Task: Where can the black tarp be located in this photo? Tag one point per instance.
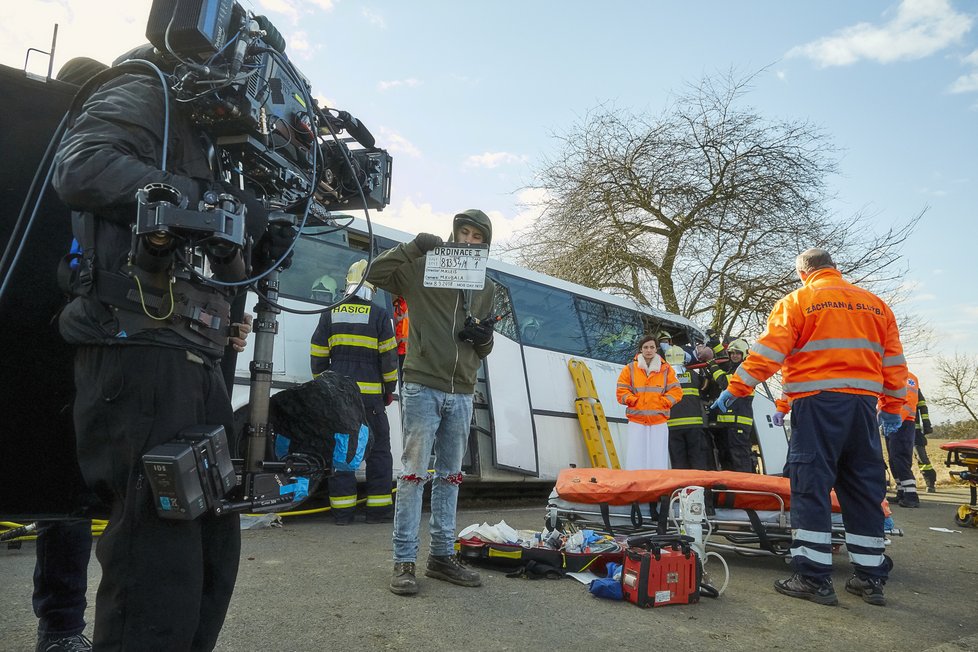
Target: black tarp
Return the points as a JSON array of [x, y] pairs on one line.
[[39, 477]]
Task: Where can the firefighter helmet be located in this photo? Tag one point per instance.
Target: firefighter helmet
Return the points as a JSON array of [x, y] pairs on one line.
[[664, 335], [675, 355], [739, 345], [323, 289], [355, 273]]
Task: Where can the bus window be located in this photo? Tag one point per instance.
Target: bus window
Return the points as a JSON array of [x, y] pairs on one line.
[[558, 325], [318, 269], [612, 332], [502, 306]]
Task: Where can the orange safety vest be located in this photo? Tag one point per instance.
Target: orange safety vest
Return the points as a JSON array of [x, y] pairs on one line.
[[648, 397], [829, 335], [401, 323]]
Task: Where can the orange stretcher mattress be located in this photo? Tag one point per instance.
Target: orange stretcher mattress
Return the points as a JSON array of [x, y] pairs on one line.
[[617, 487], [966, 445]]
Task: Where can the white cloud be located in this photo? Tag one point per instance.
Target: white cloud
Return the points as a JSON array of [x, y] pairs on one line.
[[415, 217], [287, 8], [493, 160], [918, 29], [965, 83], [395, 143], [411, 82], [781, 75], [374, 17]]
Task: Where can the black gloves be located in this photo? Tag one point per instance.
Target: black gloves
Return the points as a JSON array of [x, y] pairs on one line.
[[477, 332], [272, 246], [428, 241]]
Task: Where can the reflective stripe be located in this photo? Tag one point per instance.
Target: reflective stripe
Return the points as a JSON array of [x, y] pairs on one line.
[[833, 343], [894, 360], [649, 390], [319, 351], [896, 393], [690, 391], [835, 383], [686, 421], [749, 380], [812, 536], [623, 386], [865, 560], [370, 388], [387, 345], [824, 558], [646, 412], [864, 541], [671, 385], [380, 500], [768, 352], [390, 376], [735, 418], [353, 340], [342, 502]]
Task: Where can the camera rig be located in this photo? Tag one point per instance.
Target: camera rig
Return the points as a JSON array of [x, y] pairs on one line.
[[229, 70]]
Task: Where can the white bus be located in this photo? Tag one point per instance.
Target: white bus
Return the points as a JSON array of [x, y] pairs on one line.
[[525, 428]]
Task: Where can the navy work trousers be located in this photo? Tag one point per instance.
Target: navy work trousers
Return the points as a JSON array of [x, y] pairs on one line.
[[835, 443], [64, 549], [166, 584], [899, 447], [379, 466]]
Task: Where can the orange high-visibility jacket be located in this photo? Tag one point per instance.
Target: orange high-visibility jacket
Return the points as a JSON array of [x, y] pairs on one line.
[[648, 397], [401, 323], [909, 409], [829, 335]]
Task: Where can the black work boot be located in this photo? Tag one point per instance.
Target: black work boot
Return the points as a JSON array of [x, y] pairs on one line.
[[403, 581], [74, 643], [910, 499], [808, 588], [870, 589], [450, 569]]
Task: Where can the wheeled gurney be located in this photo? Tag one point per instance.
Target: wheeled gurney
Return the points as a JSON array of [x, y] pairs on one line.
[[965, 453], [750, 511]]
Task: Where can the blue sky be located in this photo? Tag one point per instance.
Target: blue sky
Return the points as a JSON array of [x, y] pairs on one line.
[[468, 97]]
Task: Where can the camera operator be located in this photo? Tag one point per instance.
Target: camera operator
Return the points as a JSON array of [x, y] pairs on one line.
[[145, 366]]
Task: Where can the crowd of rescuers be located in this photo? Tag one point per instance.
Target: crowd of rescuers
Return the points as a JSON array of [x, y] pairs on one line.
[[676, 428]]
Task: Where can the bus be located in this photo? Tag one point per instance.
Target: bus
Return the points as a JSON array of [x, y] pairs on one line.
[[525, 427]]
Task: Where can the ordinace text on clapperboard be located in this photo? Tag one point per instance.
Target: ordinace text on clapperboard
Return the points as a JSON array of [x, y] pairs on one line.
[[459, 266]]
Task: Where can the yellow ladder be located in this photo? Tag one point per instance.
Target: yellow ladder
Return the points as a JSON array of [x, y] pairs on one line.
[[594, 425]]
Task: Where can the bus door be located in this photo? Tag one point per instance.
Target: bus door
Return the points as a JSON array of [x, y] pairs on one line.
[[771, 439], [507, 396]]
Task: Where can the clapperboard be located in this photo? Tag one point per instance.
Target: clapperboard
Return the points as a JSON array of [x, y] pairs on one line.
[[457, 266]]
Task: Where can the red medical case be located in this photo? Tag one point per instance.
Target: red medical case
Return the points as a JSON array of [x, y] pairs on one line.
[[665, 571]]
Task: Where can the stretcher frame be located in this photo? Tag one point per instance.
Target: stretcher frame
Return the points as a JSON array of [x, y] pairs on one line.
[[965, 453], [748, 532]]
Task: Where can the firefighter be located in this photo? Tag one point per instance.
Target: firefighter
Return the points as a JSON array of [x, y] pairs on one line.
[[899, 448], [838, 350], [687, 418], [356, 339], [734, 425], [323, 289], [920, 443]]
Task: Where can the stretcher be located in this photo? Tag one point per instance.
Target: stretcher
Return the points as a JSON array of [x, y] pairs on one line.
[[751, 512], [965, 453]]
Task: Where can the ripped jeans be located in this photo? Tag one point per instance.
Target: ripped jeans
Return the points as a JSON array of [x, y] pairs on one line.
[[430, 418]]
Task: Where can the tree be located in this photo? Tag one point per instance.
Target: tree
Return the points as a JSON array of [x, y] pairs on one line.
[[959, 383], [700, 210]]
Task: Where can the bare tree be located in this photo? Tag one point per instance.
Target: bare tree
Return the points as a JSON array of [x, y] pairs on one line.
[[959, 383], [700, 210]]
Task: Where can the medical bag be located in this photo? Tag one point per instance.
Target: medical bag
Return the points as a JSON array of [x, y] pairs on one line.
[[660, 570]]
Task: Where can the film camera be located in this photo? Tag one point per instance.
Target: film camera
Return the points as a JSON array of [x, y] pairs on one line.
[[228, 68]]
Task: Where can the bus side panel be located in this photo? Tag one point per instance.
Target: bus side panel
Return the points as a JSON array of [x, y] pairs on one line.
[[772, 440]]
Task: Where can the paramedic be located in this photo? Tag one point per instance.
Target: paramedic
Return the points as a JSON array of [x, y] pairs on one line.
[[838, 350], [356, 339], [141, 376], [451, 331], [687, 419], [648, 388], [899, 448]]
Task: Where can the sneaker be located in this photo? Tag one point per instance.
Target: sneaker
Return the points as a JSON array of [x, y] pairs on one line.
[[76, 643], [403, 581], [450, 569], [869, 588], [800, 586]]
